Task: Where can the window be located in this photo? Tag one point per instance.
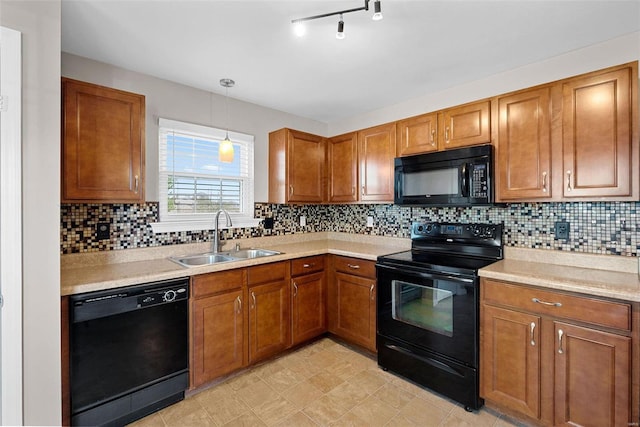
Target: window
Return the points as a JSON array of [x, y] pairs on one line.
[[194, 184]]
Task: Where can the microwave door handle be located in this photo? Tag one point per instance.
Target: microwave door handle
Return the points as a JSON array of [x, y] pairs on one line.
[[465, 181]]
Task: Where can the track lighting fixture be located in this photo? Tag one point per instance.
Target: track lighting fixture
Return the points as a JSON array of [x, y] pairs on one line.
[[225, 150], [299, 29], [340, 33]]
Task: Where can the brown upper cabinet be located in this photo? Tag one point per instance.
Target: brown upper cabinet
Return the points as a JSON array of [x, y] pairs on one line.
[[571, 140], [360, 165], [296, 167], [376, 151], [524, 145], [600, 150], [103, 140], [342, 170], [455, 127]]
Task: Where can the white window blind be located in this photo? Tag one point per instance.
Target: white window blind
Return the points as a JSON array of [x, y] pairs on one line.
[[194, 184]]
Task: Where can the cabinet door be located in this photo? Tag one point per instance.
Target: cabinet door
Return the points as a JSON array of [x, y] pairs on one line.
[[342, 153], [102, 144], [355, 309], [466, 125], [217, 342], [418, 135], [305, 167], [598, 135], [308, 307], [592, 377], [376, 151], [269, 319], [510, 349], [524, 145]]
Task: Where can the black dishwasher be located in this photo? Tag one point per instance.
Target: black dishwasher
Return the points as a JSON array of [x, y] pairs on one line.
[[129, 351]]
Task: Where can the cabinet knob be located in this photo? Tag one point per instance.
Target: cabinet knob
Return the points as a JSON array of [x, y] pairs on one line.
[[433, 137], [446, 134], [371, 295], [291, 190], [354, 266], [136, 184], [239, 301], [253, 297], [544, 182], [568, 180], [295, 289]]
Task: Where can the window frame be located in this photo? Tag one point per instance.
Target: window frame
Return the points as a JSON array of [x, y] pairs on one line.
[[202, 221]]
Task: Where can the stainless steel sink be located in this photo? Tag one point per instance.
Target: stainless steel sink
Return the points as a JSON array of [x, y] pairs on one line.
[[201, 259], [251, 253], [215, 258]]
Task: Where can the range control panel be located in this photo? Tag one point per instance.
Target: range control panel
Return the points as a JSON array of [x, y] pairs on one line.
[[449, 231]]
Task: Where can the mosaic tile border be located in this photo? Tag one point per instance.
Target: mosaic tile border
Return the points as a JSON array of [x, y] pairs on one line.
[[596, 227]]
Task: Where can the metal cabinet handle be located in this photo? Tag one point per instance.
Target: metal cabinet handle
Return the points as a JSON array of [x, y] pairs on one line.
[[353, 191], [553, 304], [295, 289], [253, 296], [560, 334], [533, 338], [363, 190], [544, 182], [371, 291], [291, 190], [308, 265], [446, 134], [239, 304], [354, 266], [568, 180], [137, 184], [433, 137]]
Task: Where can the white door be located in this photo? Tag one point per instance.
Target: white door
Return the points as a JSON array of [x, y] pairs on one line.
[[10, 228]]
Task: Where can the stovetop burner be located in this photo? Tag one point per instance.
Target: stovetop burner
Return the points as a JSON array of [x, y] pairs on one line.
[[450, 247]]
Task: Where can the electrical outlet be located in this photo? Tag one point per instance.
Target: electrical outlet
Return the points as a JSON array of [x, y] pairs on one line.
[[102, 231], [562, 230], [303, 220], [369, 221]]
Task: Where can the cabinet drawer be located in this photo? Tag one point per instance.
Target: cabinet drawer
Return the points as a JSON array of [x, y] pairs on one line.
[[355, 266], [581, 308], [267, 273], [307, 265], [212, 283]]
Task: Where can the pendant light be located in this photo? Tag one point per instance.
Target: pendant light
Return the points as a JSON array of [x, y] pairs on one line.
[[225, 151]]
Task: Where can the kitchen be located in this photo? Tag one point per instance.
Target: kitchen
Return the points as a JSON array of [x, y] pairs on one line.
[[41, 233]]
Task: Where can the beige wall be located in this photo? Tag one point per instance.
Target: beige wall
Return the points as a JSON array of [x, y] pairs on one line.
[[39, 23], [613, 52], [175, 101]]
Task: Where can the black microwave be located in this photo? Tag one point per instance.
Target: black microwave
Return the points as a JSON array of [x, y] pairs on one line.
[[458, 177]]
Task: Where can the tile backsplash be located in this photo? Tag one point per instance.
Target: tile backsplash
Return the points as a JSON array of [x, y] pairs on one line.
[[595, 227]]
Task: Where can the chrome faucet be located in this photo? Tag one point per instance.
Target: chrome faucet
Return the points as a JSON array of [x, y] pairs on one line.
[[216, 235]]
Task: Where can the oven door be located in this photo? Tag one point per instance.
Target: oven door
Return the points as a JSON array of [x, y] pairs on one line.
[[434, 311]]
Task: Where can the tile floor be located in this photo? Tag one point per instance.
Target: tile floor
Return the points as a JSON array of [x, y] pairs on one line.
[[323, 384]]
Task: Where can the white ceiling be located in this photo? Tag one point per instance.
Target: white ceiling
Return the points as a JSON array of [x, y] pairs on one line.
[[420, 47]]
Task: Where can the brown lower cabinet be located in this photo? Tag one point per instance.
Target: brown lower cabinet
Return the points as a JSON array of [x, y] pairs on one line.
[[308, 300], [269, 310], [558, 358], [352, 301], [217, 320]]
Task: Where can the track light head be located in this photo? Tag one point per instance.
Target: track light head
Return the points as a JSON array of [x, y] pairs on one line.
[[377, 9], [340, 33]]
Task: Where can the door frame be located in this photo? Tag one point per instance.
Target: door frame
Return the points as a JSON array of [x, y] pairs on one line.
[[11, 412]]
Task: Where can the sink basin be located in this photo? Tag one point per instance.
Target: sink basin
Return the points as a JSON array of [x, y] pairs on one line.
[[201, 259], [215, 258], [252, 253]]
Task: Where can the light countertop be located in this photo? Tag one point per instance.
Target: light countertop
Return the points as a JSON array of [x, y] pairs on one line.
[[99, 271], [598, 275]]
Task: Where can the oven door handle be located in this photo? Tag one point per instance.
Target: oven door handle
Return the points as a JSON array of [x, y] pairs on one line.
[[433, 362], [427, 275]]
